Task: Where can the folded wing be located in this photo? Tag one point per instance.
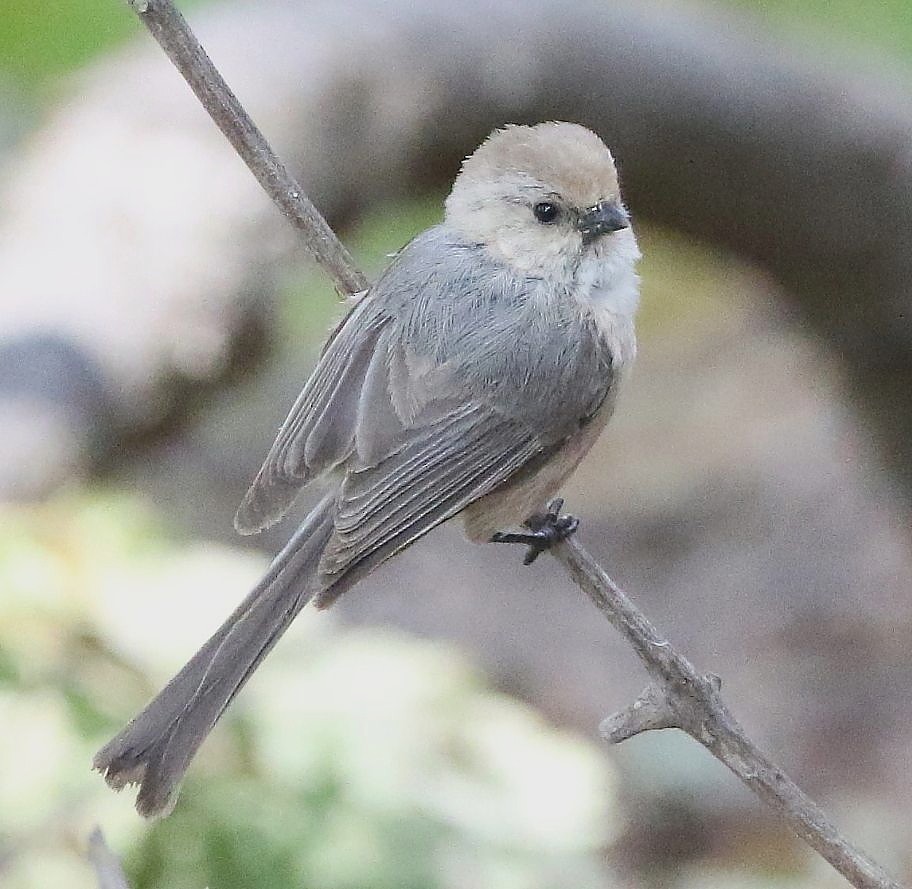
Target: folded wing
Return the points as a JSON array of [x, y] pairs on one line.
[[319, 431], [442, 467]]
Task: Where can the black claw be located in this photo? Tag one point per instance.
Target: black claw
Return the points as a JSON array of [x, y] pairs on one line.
[[545, 530]]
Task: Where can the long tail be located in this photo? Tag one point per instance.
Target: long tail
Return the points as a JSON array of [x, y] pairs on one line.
[[156, 748]]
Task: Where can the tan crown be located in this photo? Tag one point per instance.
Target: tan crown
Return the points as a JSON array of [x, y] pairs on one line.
[[565, 157]]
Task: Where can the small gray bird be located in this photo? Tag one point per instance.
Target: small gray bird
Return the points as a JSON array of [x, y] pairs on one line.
[[472, 378]]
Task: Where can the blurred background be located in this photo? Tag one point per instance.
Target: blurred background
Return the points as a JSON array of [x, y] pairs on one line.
[[438, 728]]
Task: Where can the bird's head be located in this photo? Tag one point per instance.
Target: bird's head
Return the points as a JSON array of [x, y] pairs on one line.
[[545, 200]]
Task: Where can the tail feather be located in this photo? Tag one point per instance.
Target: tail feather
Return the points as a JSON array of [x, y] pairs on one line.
[[156, 748]]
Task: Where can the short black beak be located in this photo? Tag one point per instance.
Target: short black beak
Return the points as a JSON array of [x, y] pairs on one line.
[[603, 218]]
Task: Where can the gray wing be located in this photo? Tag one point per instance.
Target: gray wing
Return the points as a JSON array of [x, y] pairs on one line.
[[318, 432], [413, 404], [411, 448], [441, 468]]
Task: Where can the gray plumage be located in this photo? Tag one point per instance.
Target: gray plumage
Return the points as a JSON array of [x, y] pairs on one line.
[[457, 382], [446, 338]]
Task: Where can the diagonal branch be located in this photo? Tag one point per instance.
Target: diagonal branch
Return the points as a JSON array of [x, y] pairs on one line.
[[678, 697], [169, 28]]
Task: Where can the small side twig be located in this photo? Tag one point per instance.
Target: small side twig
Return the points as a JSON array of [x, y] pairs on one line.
[[108, 871], [679, 697]]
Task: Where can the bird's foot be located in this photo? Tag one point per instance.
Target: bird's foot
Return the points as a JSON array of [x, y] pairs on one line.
[[545, 530]]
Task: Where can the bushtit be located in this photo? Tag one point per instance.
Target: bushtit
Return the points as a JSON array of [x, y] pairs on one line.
[[471, 379]]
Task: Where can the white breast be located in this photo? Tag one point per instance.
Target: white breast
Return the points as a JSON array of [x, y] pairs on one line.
[[607, 284]]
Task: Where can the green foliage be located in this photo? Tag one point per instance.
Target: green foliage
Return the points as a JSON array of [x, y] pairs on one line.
[[886, 24], [41, 41]]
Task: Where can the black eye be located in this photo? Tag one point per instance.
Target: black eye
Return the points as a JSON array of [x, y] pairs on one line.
[[546, 212]]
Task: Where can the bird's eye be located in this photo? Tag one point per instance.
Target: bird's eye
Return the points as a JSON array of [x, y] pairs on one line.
[[546, 212]]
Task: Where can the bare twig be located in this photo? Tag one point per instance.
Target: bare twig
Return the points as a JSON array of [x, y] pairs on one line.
[[169, 28], [108, 871], [679, 696]]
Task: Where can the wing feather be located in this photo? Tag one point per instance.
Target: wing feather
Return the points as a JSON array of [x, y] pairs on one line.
[[380, 429], [319, 432], [442, 469]]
